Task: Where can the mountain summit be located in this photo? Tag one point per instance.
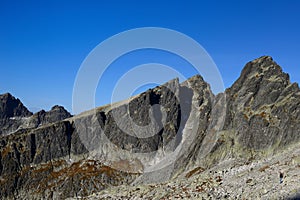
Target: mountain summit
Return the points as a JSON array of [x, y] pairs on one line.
[[175, 140], [12, 107]]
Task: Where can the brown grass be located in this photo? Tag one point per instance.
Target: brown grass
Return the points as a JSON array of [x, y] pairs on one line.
[[52, 174], [263, 114], [218, 179], [6, 150], [199, 188], [197, 170], [249, 180], [264, 168]]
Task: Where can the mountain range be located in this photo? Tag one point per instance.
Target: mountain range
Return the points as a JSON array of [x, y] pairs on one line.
[[177, 140]]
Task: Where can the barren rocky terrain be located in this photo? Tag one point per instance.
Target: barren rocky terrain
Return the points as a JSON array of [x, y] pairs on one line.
[[230, 179]]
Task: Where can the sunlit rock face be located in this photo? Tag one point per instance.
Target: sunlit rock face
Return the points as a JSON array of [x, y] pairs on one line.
[[263, 106]]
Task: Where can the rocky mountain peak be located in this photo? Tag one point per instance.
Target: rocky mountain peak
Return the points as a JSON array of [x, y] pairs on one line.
[[57, 113], [12, 107], [57, 107], [258, 105], [263, 64], [269, 68], [261, 72]]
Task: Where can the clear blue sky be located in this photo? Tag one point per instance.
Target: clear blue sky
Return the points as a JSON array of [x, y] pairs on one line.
[[43, 43]]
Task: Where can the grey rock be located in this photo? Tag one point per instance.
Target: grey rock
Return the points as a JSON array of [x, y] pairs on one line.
[[12, 107], [263, 106], [11, 110]]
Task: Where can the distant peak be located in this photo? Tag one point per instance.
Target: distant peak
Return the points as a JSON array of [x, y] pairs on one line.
[[12, 107], [264, 65], [57, 107], [262, 59], [60, 110], [196, 77], [259, 73], [6, 95]]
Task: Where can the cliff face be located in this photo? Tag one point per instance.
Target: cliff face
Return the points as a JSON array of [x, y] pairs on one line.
[[263, 106], [262, 115], [53, 155]]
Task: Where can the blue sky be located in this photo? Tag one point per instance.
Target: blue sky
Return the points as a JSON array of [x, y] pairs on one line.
[[43, 43]]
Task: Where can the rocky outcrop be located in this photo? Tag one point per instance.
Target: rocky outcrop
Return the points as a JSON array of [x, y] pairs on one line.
[[153, 137]]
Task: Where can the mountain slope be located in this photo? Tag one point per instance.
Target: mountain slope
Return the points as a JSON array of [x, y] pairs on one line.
[[231, 179]]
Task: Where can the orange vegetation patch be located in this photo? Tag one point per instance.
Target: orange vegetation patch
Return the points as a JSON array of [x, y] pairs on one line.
[[48, 166], [52, 174], [199, 188], [264, 168], [6, 150], [219, 179], [85, 168], [249, 180], [197, 170], [132, 166], [263, 114]]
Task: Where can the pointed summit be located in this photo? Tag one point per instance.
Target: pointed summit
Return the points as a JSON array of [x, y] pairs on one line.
[[263, 59], [267, 67], [259, 73], [12, 107], [261, 103]]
